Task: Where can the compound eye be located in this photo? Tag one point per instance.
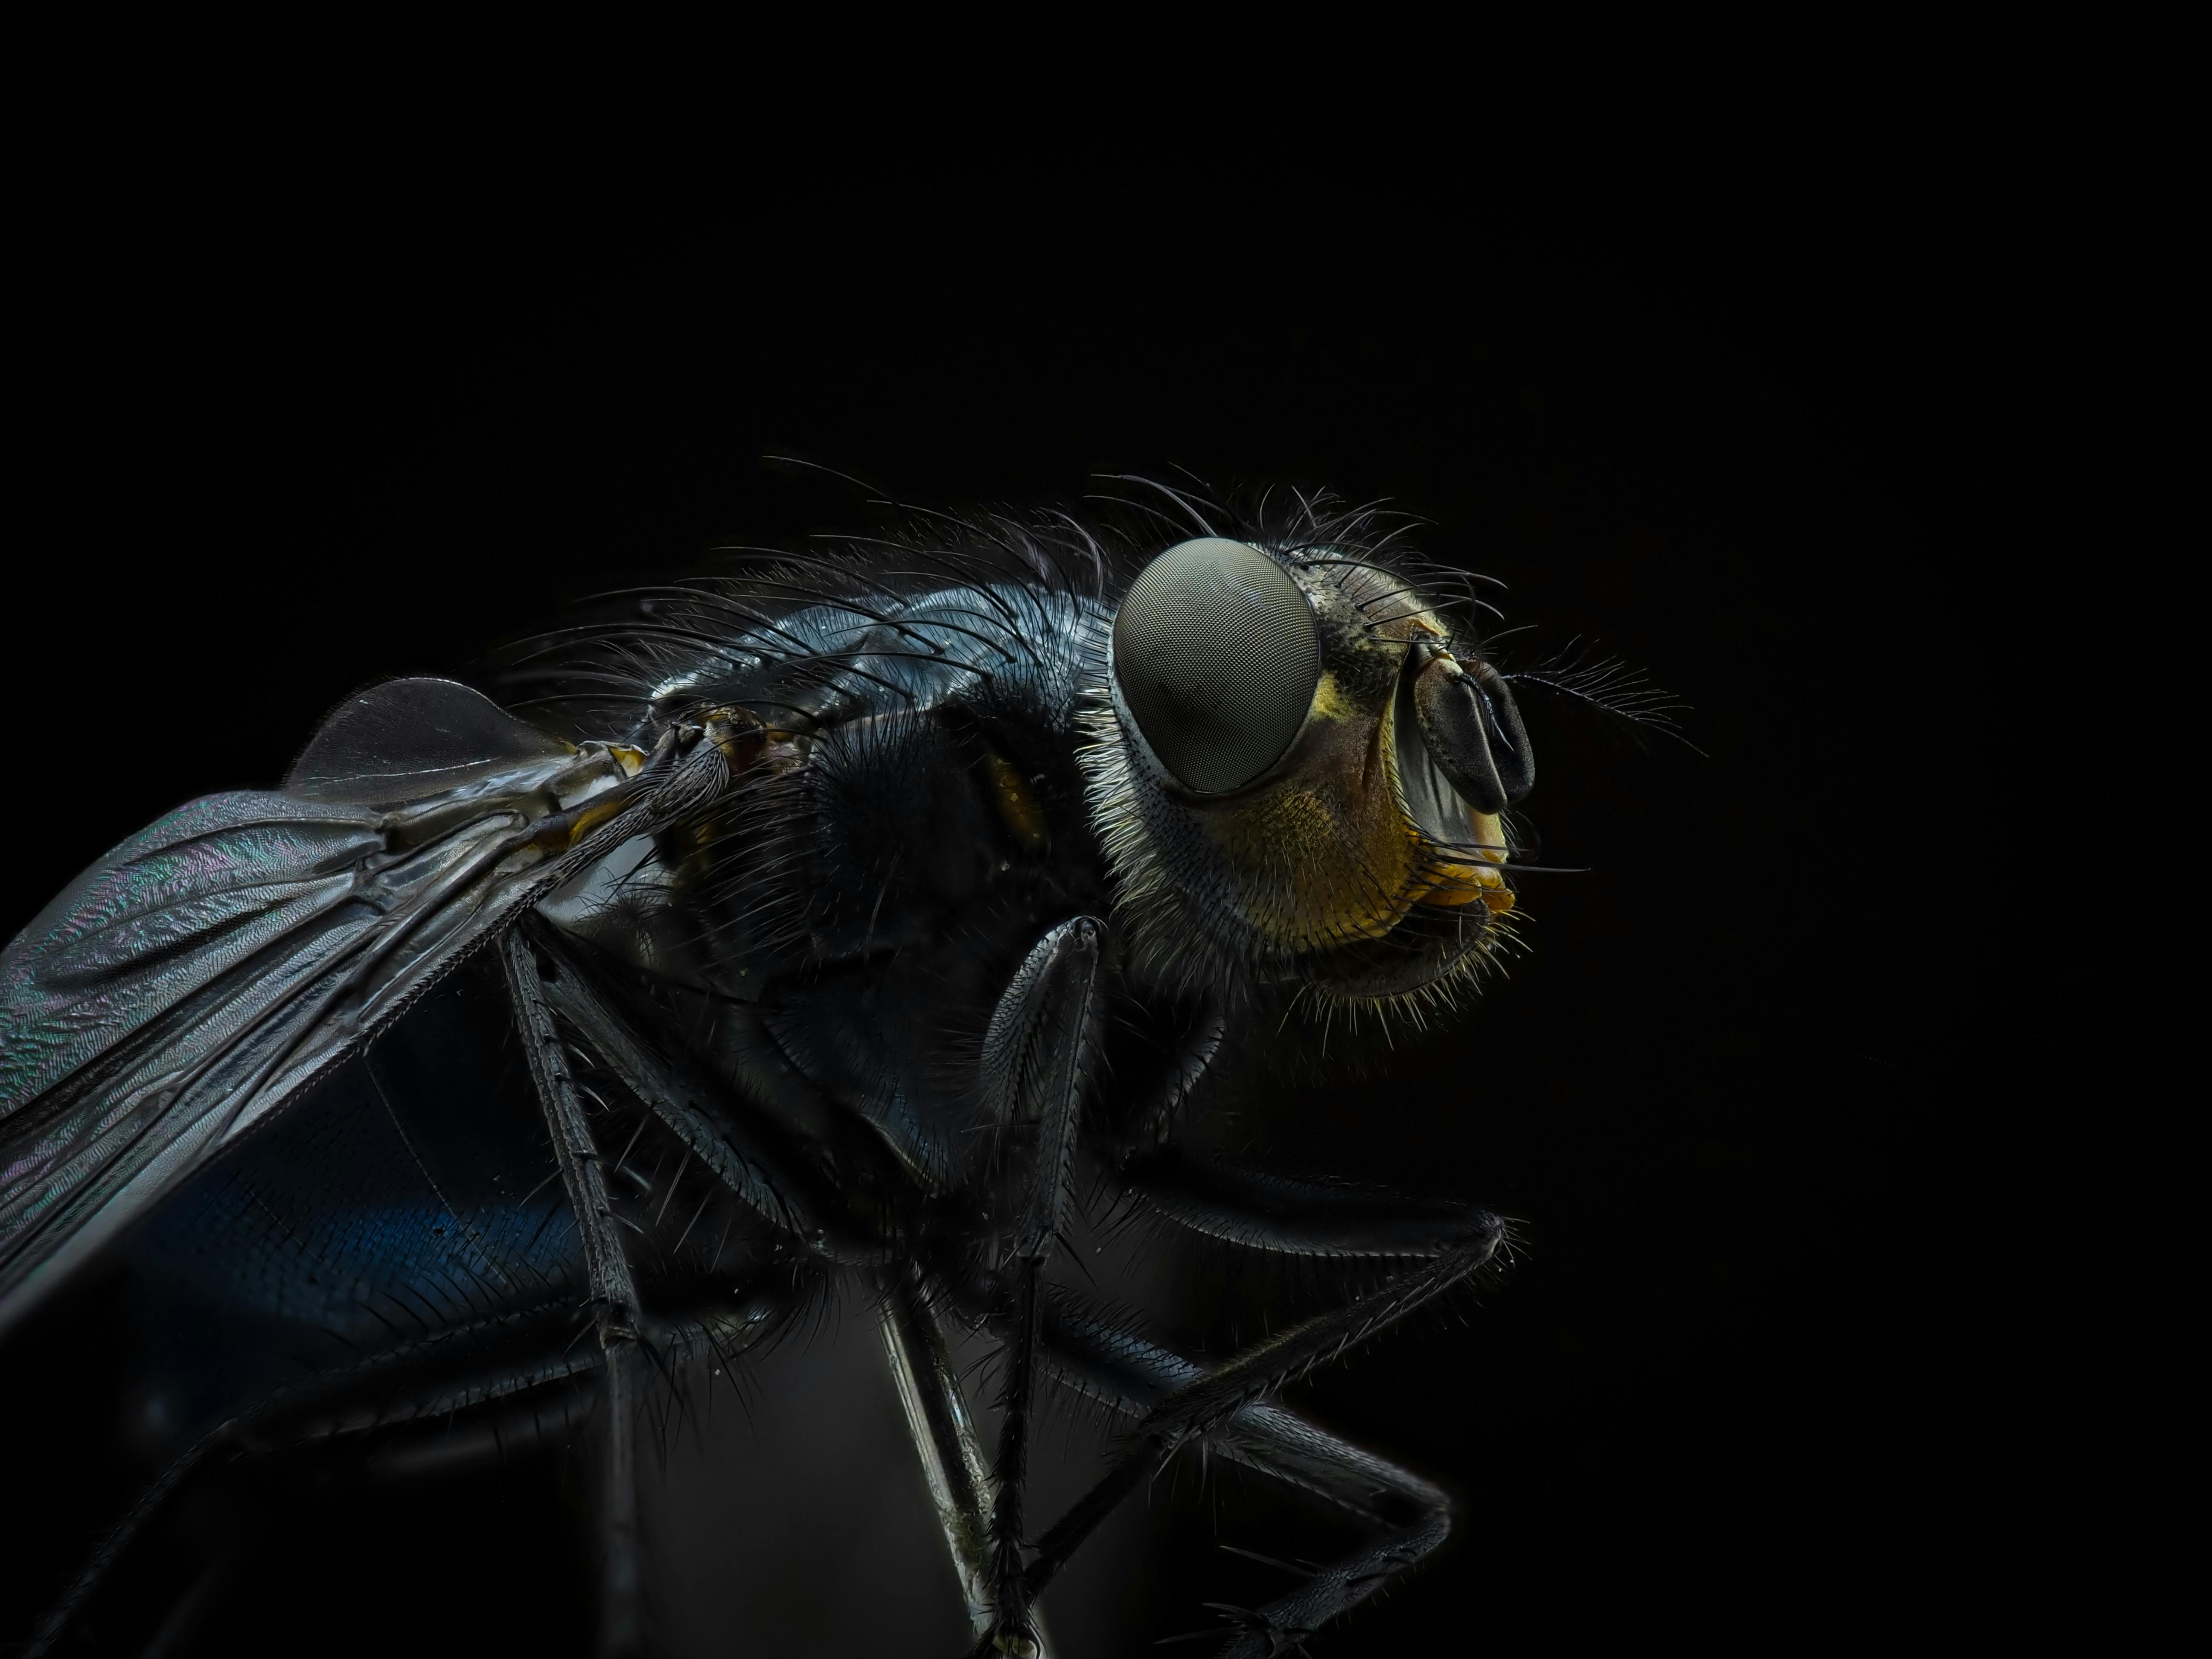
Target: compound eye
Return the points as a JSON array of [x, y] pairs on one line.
[[1216, 657]]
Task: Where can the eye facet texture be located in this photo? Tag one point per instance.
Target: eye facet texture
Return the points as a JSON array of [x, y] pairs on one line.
[[1217, 657]]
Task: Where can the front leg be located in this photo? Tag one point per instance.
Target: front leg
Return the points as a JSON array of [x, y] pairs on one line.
[[1407, 1518], [1325, 1220], [1037, 1055]]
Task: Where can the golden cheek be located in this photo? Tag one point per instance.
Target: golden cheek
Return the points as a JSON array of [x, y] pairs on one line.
[[1324, 858]]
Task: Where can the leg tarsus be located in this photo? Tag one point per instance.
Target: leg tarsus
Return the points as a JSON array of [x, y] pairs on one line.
[[1410, 1516], [1206, 1402], [1281, 1626]]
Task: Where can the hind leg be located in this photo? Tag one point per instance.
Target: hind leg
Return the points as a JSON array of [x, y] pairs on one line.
[[615, 1308]]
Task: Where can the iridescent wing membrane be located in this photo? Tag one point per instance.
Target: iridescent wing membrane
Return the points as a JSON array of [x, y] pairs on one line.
[[200, 976]]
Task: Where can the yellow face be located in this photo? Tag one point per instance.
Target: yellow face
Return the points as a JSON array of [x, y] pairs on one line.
[[1348, 862]]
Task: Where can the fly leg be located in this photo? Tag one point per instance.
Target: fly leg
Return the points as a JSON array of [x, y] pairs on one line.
[[740, 1145], [1036, 1057], [938, 1421], [716, 1126], [505, 1376], [1310, 1219], [1408, 1517], [1319, 1220], [614, 1300]]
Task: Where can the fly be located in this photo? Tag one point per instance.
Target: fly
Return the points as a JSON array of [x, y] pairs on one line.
[[867, 908]]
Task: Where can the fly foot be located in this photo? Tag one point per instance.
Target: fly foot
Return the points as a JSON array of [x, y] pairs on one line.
[[1257, 1634]]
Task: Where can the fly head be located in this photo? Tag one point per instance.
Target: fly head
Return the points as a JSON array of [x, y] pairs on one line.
[[1300, 773]]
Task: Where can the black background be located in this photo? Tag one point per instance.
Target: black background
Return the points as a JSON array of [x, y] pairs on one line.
[[1813, 382]]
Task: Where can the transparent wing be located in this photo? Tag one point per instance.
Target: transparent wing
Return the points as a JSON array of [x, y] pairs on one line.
[[203, 974]]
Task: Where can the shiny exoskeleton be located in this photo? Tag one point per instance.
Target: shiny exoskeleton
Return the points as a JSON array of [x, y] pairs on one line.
[[885, 894]]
